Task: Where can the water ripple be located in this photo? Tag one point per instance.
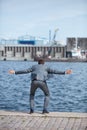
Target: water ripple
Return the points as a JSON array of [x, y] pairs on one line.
[[67, 92]]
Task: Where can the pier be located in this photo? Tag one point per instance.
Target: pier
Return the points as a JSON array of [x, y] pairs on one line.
[[37, 121]]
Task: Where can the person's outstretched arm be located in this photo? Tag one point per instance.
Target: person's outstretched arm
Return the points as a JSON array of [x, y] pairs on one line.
[[20, 72], [51, 71]]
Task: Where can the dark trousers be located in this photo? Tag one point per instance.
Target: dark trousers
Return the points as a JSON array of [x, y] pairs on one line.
[[43, 86]]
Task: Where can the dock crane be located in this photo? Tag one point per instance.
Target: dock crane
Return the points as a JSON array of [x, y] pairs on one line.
[[54, 41]]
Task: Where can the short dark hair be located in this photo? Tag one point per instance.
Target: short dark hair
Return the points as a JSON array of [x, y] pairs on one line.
[[41, 61]]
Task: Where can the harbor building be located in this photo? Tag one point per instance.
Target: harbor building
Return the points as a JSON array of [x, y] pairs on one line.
[[29, 47], [28, 52], [76, 47]]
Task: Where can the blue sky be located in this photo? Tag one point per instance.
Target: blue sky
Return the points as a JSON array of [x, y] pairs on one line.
[[37, 17]]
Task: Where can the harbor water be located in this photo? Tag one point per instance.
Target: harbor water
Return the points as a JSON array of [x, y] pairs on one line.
[[68, 93]]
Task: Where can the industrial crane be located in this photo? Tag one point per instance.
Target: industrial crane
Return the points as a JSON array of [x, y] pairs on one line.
[[55, 32], [53, 42]]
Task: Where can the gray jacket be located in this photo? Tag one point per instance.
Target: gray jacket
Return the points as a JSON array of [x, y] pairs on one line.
[[39, 72]]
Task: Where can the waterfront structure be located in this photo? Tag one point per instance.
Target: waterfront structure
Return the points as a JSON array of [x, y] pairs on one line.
[[73, 42], [29, 47], [76, 47], [10, 120], [28, 52]]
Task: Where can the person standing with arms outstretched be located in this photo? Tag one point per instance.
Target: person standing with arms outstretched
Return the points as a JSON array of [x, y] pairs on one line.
[[39, 75]]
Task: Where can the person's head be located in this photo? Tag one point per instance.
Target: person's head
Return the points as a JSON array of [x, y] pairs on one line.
[[41, 61]]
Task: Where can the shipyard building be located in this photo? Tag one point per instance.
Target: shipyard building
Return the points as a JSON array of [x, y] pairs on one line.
[[76, 47], [28, 52], [29, 48], [24, 49]]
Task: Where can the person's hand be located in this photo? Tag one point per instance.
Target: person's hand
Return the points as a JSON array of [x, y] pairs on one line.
[[11, 72], [68, 71]]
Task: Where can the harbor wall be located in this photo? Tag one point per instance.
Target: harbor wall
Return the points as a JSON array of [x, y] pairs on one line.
[[28, 52]]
